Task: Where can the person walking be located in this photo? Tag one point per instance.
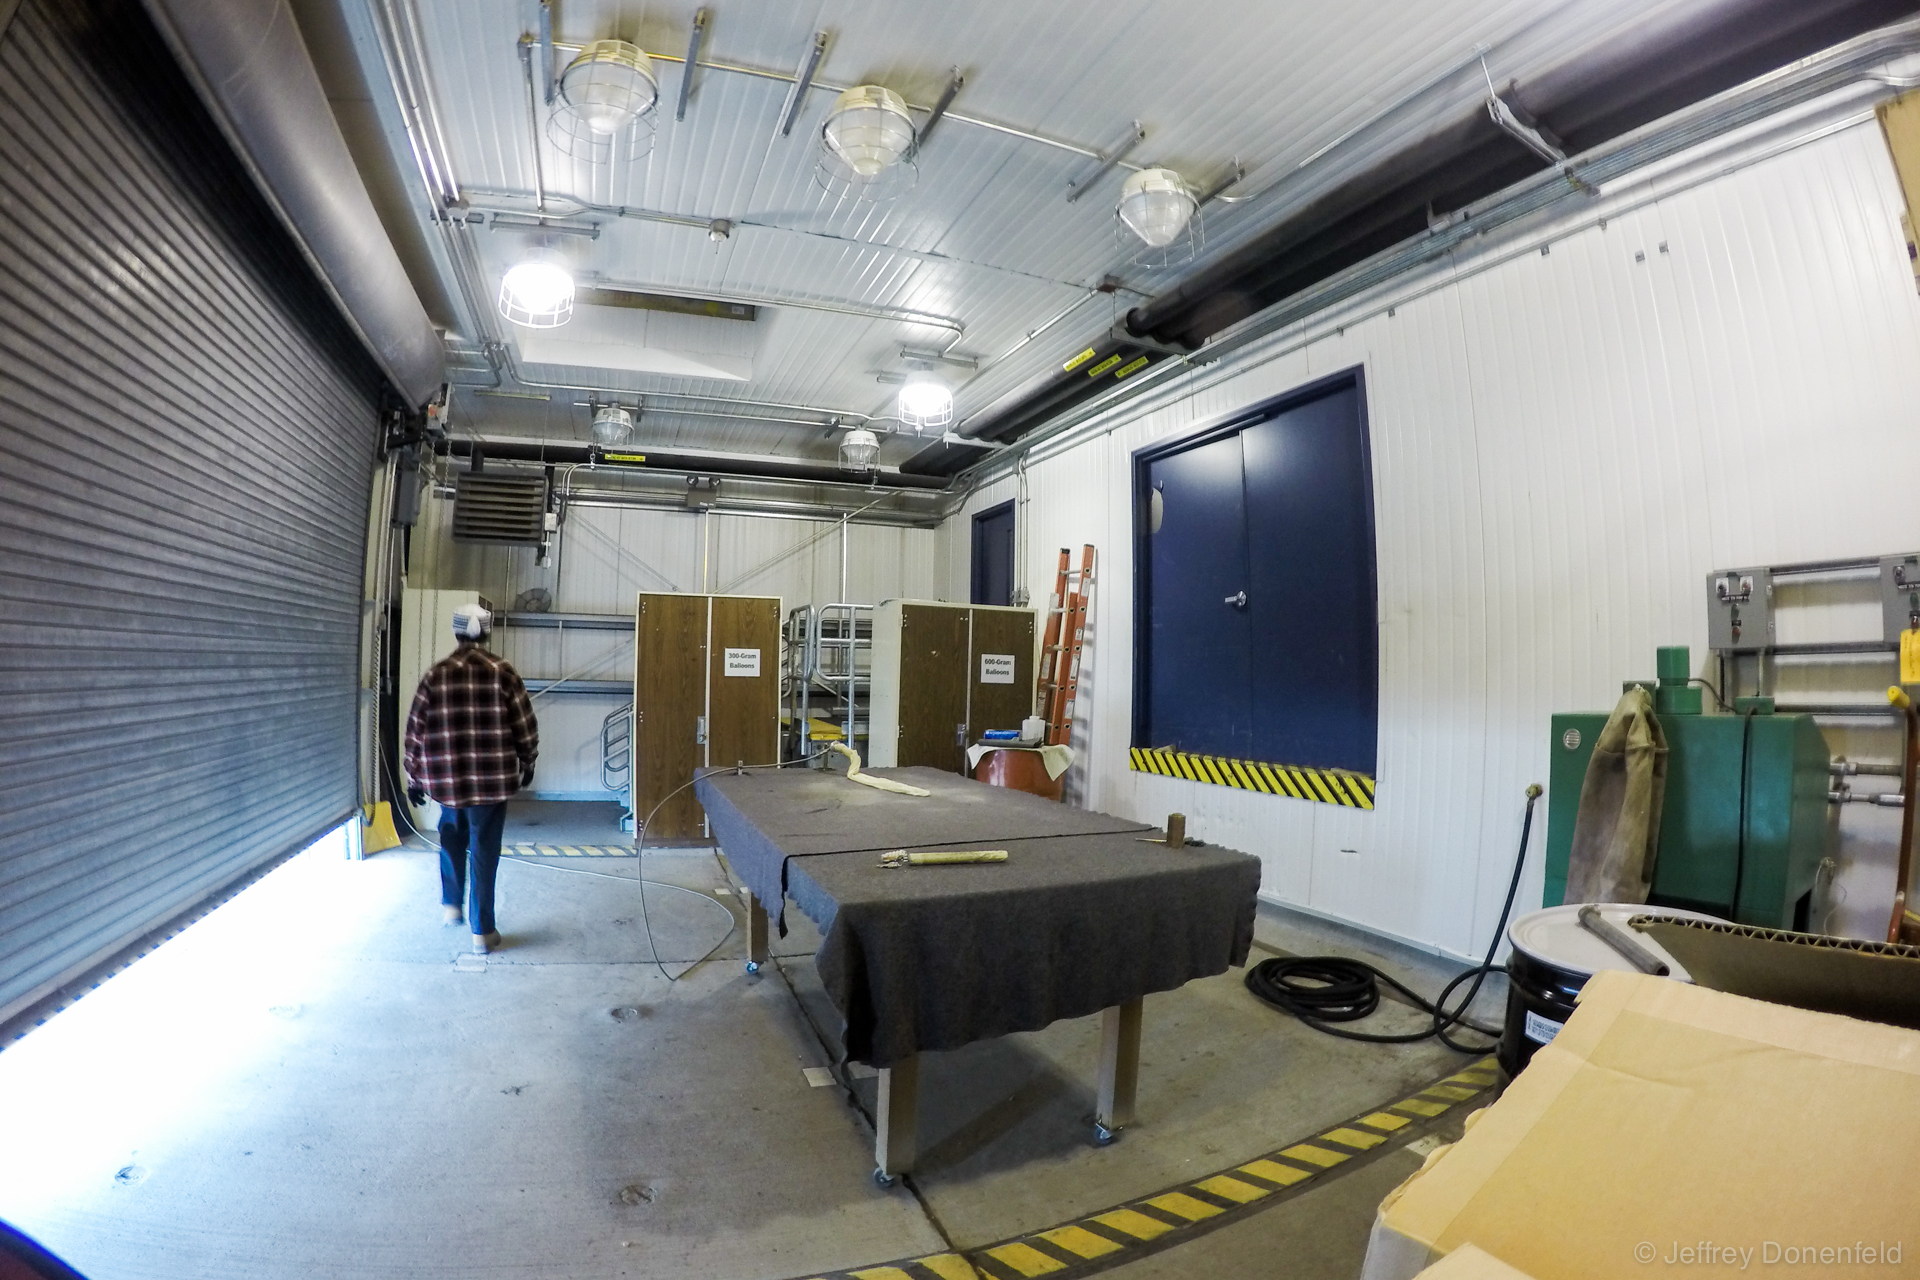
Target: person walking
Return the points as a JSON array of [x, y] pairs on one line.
[[471, 743]]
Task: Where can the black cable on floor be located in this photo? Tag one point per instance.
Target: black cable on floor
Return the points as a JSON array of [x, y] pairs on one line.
[[1322, 991]]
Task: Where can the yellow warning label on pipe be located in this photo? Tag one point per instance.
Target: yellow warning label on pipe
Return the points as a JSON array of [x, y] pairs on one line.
[[1103, 366], [1077, 361], [1910, 656], [1133, 367]]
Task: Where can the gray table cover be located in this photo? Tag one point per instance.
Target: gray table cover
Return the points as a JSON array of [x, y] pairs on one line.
[[763, 818], [932, 958]]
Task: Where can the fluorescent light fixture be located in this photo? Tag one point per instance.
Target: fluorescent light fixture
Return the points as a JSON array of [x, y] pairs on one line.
[[925, 401], [858, 448], [1157, 205], [537, 292]]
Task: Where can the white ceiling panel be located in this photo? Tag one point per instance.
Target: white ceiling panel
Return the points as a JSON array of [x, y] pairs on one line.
[[985, 247]]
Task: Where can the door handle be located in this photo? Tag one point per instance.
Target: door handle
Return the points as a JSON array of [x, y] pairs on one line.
[[1238, 600]]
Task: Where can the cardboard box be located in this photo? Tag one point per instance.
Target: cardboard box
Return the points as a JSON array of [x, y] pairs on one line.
[[1670, 1130]]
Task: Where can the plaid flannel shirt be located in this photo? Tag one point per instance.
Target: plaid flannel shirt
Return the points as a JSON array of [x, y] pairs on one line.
[[471, 736]]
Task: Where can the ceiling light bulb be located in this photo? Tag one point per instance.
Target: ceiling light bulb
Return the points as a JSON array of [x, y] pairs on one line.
[[1156, 205], [925, 401], [612, 424], [537, 293], [858, 448], [609, 85], [869, 128]]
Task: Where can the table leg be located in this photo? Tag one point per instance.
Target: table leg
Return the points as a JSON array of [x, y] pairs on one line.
[[756, 931], [896, 1121], [1119, 1069]]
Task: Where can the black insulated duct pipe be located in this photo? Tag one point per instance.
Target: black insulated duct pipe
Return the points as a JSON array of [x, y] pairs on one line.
[[1658, 67], [250, 66], [689, 464]]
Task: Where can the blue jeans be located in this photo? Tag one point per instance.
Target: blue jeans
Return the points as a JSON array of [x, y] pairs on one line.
[[470, 858]]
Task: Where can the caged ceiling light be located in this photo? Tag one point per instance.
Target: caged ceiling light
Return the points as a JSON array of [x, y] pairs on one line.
[[606, 91], [538, 291], [925, 401], [867, 144], [858, 449], [612, 424], [1157, 205]]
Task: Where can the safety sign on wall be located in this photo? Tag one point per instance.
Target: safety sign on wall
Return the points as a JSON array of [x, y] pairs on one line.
[[996, 668], [742, 662]]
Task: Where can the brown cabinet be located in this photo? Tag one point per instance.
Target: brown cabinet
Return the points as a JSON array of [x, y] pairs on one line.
[[942, 675], [706, 691]]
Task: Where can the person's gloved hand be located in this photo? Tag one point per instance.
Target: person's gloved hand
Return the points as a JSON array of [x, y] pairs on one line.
[[417, 794], [526, 776]]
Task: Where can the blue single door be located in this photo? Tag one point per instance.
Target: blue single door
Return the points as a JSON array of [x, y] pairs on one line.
[[993, 556], [1314, 679], [1195, 685]]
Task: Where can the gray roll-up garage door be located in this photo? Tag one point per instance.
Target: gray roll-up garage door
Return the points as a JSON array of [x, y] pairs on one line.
[[186, 435]]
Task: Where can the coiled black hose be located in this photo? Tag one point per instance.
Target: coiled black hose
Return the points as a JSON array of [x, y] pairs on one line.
[[1324, 990]]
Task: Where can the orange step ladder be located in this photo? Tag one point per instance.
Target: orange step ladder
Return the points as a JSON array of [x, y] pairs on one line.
[[1059, 680]]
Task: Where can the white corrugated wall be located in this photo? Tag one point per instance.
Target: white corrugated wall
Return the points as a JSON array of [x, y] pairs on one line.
[[606, 556], [1564, 444]]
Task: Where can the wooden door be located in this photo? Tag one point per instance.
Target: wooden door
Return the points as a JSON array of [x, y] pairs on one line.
[[743, 702], [1000, 671], [669, 699], [933, 686]]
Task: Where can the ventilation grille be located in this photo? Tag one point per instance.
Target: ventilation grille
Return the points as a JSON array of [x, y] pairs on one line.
[[499, 508]]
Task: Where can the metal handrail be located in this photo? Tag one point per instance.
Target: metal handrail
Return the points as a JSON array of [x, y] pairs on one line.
[[616, 748]]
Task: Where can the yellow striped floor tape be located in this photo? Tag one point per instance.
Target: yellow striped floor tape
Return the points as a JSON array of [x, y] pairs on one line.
[[1323, 786], [569, 850], [1147, 1225]]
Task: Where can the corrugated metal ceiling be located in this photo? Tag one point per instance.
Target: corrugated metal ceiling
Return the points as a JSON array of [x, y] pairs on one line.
[[985, 245]]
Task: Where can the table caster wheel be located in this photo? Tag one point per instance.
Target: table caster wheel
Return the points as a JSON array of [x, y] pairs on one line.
[[883, 1179], [753, 966], [1103, 1136]]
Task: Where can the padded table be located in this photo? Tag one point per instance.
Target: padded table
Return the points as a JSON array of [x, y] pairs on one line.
[[1087, 915]]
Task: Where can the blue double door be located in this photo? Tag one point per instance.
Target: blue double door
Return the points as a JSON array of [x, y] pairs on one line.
[[1257, 617]]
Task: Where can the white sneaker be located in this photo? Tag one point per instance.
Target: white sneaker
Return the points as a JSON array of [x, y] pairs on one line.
[[453, 915], [485, 942]]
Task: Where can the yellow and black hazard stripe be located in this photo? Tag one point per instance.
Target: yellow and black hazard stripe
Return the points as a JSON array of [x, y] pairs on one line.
[[1326, 786], [1131, 1230]]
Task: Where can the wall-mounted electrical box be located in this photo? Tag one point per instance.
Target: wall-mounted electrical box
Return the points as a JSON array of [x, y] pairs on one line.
[[943, 674], [1740, 609]]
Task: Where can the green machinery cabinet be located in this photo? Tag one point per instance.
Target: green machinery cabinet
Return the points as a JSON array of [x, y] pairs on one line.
[[1762, 826]]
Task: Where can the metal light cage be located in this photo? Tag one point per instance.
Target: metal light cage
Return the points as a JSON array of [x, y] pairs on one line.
[[867, 145], [1158, 219], [537, 291], [925, 402], [607, 96], [612, 424], [858, 450]]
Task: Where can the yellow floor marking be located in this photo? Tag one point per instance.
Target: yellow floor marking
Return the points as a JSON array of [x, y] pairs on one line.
[[1026, 1259], [1421, 1107], [880, 1273], [1137, 1225], [1478, 1077], [1080, 1240], [1385, 1120], [1314, 1155], [1183, 1206], [1353, 1138], [1284, 1174], [949, 1266], [1232, 1189], [1451, 1092]]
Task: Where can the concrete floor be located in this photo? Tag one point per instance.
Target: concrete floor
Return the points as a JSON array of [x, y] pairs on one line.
[[317, 1080]]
